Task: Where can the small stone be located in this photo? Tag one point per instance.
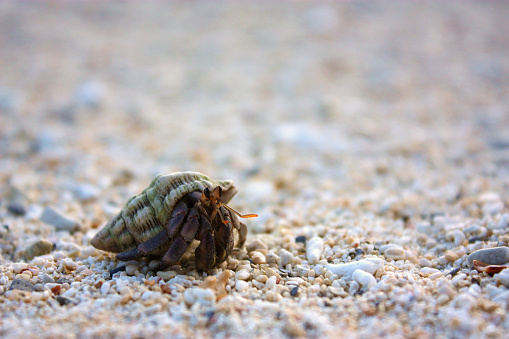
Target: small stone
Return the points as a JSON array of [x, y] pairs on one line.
[[131, 270], [258, 258], [314, 249], [89, 94], [503, 222], [199, 295], [47, 279], [457, 236], [272, 258], [271, 282], [294, 291], [395, 253], [241, 285], [54, 218], [286, 257], [22, 285], [365, 279], [86, 192], [62, 300], [451, 256], [370, 265], [300, 239], [425, 262], [88, 251], [166, 275], [16, 209], [87, 272], [58, 255], [105, 288], [490, 256], [242, 275], [262, 278], [503, 277], [256, 244]]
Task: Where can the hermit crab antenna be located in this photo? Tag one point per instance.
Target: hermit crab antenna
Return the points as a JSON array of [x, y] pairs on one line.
[[240, 215]]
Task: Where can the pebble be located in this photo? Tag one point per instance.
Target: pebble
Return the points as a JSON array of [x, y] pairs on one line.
[[54, 218], [271, 282], [105, 288], [491, 256], [425, 262], [200, 296], [86, 192], [241, 285], [366, 280], [242, 275], [256, 244], [457, 236], [370, 265], [503, 222], [258, 258], [89, 94], [166, 275], [314, 249], [503, 277], [451, 256], [47, 279], [286, 257], [131, 269], [22, 285], [16, 209], [395, 253], [88, 251]]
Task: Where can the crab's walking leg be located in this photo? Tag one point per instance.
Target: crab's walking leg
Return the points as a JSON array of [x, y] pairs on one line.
[[184, 238], [145, 248], [223, 235], [205, 253]]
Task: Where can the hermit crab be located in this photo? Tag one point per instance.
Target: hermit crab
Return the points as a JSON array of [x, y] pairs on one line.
[[172, 212]]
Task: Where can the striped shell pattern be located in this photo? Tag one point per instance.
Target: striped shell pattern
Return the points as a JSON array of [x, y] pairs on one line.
[[148, 213]]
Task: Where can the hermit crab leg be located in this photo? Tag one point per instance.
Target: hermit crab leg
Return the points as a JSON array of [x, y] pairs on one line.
[[145, 248], [205, 253], [181, 243], [223, 235]]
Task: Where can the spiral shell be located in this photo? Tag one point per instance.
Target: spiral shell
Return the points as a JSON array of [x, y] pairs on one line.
[[147, 213]]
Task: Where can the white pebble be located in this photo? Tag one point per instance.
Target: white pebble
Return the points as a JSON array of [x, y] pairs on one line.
[[365, 279], [88, 251], [286, 257], [241, 285], [458, 278], [503, 222], [148, 295], [503, 277], [200, 295], [105, 288], [131, 269], [370, 265], [271, 282], [69, 293], [314, 249], [396, 253], [457, 236], [242, 275], [354, 287]]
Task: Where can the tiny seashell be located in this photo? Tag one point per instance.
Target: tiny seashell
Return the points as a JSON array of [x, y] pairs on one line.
[[487, 268]]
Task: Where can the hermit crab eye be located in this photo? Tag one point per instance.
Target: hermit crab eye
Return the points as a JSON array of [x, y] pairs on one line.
[[206, 192]]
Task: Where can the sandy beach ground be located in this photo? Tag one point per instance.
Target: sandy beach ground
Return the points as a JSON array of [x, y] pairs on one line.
[[371, 138]]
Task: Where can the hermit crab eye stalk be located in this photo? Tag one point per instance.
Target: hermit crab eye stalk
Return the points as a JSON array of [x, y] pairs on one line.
[[216, 193], [206, 192]]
